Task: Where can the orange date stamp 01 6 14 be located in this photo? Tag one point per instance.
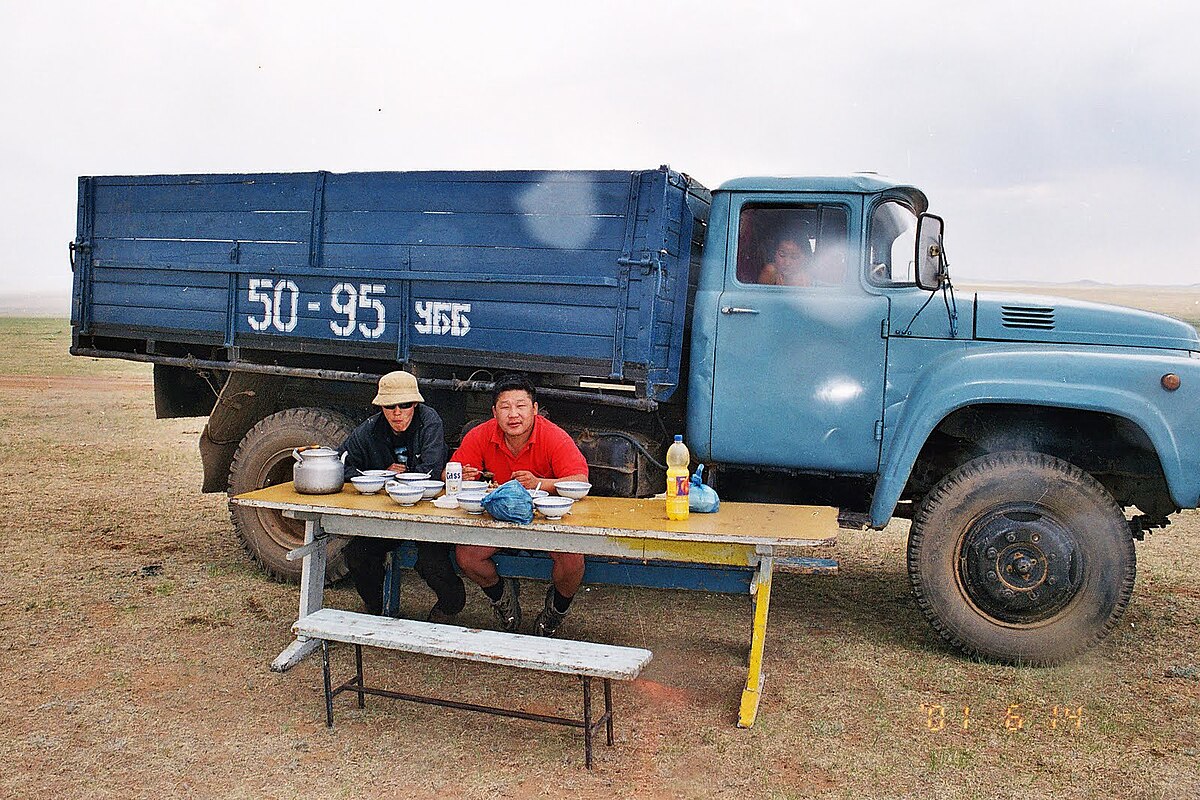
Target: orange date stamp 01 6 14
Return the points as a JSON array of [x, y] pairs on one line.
[[938, 717]]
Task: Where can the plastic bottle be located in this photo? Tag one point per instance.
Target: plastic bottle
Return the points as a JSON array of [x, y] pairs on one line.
[[678, 479]]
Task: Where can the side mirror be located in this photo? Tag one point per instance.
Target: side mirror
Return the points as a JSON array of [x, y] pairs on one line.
[[931, 257]]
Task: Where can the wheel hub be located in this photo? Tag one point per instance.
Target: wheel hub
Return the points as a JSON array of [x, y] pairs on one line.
[[1019, 565]]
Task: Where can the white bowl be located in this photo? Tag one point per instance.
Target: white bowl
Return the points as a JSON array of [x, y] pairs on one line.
[[430, 488], [368, 484], [576, 490], [471, 486], [378, 473], [536, 493], [471, 502], [413, 476], [405, 495], [445, 502], [553, 507]]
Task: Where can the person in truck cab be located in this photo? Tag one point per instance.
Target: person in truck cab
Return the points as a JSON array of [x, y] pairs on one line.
[[789, 266], [406, 435], [519, 444]]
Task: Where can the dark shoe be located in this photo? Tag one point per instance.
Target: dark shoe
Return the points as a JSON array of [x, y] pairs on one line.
[[550, 618], [508, 608], [441, 617]]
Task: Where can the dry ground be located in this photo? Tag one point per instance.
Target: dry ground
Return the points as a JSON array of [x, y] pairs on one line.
[[135, 638]]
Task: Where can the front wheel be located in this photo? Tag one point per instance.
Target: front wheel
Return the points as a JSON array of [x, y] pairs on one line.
[[1021, 558]]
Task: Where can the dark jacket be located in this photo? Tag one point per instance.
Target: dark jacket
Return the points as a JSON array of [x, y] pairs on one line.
[[369, 446]]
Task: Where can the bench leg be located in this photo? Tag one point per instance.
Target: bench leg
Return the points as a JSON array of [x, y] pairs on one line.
[[608, 709], [751, 695], [328, 684], [587, 722], [362, 703]]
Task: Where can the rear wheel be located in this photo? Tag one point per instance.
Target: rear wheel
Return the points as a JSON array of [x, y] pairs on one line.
[[1021, 558], [264, 458]]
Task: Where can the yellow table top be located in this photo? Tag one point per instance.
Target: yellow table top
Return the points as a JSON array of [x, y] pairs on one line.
[[750, 523]]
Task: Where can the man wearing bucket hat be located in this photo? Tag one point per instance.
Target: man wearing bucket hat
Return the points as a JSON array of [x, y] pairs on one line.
[[406, 435]]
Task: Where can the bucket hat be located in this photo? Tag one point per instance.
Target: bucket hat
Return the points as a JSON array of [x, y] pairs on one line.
[[398, 387]]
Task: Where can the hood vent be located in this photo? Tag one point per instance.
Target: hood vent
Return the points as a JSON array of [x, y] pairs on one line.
[[1037, 318]]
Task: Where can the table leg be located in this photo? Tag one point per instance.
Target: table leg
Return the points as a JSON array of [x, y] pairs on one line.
[[312, 572], [761, 589], [312, 596]]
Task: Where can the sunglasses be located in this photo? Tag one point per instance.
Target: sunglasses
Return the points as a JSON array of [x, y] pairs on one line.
[[404, 406]]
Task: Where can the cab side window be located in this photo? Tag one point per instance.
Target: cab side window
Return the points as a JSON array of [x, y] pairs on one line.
[[796, 245]]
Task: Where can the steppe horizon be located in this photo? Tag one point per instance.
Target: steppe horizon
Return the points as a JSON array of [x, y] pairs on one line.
[[58, 303]]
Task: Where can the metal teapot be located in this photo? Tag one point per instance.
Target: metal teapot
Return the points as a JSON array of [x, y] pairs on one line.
[[318, 470]]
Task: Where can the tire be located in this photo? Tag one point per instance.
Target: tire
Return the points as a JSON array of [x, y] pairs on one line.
[[1021, 558], [264, 458]]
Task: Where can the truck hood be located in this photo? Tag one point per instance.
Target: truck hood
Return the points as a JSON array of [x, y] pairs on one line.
[[1028, 318]]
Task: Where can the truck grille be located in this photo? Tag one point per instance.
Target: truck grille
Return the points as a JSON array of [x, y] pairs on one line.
[[1038, 318]]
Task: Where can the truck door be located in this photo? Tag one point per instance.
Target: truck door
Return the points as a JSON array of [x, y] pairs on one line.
[[799, 362]]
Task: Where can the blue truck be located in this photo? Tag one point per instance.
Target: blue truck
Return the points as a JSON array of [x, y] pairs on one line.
[[803, 332]]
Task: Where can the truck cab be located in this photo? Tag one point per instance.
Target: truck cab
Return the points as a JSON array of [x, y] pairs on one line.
[[828, 345], [793, 338], [856, 366]]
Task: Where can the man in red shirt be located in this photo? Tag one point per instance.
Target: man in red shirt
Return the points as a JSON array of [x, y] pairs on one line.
[[518, 444]]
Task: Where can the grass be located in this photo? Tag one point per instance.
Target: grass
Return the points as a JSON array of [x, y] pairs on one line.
[[142, 636], [38, 346]]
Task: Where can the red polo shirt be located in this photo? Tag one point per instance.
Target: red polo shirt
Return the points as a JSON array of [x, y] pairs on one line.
[[549, 453]]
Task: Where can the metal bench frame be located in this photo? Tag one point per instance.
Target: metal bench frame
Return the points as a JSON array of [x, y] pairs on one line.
[[357, 684]]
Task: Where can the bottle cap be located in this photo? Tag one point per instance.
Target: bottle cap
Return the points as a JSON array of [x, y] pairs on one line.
[[679, 437]]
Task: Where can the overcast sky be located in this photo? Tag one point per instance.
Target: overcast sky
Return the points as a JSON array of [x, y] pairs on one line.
[[1058, 140]]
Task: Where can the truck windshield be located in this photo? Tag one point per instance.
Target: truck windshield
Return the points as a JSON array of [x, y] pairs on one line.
[[892, 243]]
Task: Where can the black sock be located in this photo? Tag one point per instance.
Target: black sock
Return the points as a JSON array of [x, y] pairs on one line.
[[561, 603], [495, 591]]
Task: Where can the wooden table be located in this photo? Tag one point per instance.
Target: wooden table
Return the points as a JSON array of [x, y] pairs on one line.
[[740, 534]]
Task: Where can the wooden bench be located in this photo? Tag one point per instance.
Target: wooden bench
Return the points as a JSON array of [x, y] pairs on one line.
[[585, 659]]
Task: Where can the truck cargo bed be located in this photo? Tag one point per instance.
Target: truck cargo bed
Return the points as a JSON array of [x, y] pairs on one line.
[[585, 274]]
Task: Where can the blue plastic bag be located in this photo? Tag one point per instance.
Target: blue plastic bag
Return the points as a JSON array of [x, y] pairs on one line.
[[702, 499], [509, 503]]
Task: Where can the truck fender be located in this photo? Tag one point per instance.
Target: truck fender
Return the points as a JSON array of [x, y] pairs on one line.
[[1122, 384], [244, 400]]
